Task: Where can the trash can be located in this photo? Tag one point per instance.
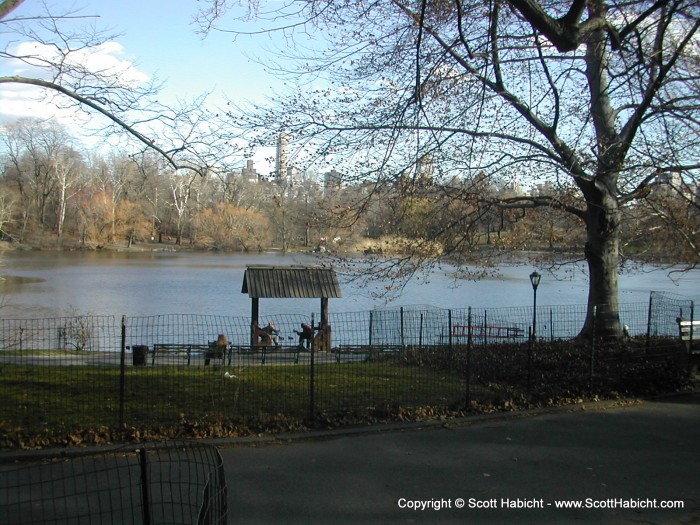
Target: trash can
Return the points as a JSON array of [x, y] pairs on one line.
[[138, 355]]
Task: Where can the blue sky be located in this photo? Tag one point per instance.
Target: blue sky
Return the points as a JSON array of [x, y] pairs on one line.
[[159, 39]]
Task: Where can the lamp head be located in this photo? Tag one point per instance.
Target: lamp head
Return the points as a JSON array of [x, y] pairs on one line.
[[535, 280]]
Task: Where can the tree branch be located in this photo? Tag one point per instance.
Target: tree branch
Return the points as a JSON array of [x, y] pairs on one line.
[[168, 156], [7, 6]]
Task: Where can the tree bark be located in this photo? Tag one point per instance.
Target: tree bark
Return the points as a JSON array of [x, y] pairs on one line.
[[601, 194], [602, 252], [8, 6]]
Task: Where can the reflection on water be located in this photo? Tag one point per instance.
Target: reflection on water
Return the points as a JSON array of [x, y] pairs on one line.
[[48, 284]]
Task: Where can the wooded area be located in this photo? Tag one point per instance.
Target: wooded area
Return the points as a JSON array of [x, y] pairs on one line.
[[53, 194]]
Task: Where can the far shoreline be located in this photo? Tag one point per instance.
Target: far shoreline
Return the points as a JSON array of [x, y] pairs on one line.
[[484, 257]]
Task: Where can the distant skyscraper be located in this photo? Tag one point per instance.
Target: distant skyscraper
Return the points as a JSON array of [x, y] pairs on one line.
[[425, 168], [281, 158], [249, 172], [332, 181]]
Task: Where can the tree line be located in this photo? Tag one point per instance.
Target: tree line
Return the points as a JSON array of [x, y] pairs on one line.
[[53, 193]]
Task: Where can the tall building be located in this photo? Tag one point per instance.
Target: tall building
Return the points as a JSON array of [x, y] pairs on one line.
[[249, 172], [332, 181], [281, 158], [542, 189], [294, 176], [668, 184], [425, 169]]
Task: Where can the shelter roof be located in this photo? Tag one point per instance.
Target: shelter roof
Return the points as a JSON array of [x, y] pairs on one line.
[[291, 282]]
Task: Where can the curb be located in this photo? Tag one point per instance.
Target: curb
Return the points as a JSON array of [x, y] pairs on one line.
[[8, 457], [414, 426]]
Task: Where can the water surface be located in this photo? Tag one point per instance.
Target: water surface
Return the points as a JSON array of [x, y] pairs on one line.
[[53, 284]]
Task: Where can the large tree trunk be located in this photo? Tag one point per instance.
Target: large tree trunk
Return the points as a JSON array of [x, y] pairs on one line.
[[602, 245], [602, 205]]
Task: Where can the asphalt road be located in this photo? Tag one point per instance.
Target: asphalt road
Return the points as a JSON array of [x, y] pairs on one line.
[[622, 465]]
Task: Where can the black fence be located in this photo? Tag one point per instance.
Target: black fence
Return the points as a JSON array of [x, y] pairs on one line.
[[164, 483], [99, 379]]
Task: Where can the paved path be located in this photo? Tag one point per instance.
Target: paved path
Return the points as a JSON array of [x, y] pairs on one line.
[[639, 456]]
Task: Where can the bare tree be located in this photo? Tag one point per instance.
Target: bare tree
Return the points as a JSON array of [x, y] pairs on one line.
[[69, 172], [597, 95], [181, 187], [669, 216], [54, 53], [32, 150], [111, 179], [6, 209]]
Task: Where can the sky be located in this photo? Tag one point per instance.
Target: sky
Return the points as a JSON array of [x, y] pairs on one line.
[[158, 39]]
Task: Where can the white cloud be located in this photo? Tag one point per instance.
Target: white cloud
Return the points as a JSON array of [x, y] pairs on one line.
[[89, 65], [102, 60]]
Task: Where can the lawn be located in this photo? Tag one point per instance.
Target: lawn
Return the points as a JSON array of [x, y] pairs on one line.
[[55, 401], [84, 394]]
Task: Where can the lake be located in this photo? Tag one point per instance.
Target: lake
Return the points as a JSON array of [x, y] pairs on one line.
[[55, 284]]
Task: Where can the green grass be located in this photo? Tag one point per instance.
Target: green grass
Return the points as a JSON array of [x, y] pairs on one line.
[[41, 404], [58, 400]]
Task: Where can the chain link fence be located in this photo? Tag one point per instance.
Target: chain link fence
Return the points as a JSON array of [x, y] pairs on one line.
[[98, 379], [155, 483]]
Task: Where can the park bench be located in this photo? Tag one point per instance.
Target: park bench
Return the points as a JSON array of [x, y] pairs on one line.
[[364, 352], [186, 351], [488, 332], [352, 353], [689, 331], [267, 353]]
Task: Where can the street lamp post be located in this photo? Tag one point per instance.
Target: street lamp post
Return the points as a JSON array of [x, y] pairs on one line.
[[535, 281]]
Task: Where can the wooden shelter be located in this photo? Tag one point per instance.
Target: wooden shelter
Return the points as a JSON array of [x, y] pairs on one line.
[[291, 282]]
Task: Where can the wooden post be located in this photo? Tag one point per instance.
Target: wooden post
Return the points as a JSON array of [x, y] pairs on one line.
[[325, 328], [254, 318], [324, 311]]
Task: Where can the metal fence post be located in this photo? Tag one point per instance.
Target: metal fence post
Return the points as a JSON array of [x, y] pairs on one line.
[[371, 319], [449, 327], [311, 374], [402, 335], [449, 339], [420, 331], [469, 352], [530, 343], [651, 302], [551, 324], [593, 344], [690, 328], [145, 497], [122, 375], [690, 333]]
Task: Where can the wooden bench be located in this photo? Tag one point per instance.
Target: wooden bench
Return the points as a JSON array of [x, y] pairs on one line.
[[689, 331], [489, 332], [364, 352], [187, 350], [266, 352], [352, 353]]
